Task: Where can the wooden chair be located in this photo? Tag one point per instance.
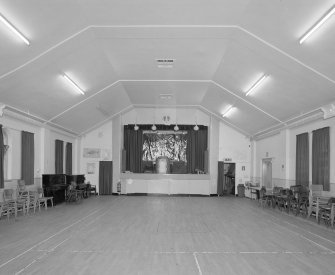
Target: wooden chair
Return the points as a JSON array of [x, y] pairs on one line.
[[91, 189], [14, 205], [32, 201], [327, 212], [73, 194], [21, 188], [42, 200], [315, 203], [4, 210], [263, 200]]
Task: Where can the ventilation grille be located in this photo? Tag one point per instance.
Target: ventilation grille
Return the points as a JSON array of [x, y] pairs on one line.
[[165, 62]]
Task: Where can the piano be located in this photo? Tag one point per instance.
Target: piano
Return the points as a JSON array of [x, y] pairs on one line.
[[55, 185]]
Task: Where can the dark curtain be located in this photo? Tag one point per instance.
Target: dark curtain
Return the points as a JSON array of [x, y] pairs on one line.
[[2, 156], [27, 157], [59, 156], [321, 158], [68, 159], [133, 146], [195, 151], [105, 177], [302, 160], [220, 178], [196, 148]]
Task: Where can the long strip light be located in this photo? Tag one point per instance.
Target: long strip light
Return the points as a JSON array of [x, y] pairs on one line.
[[317, 25], [256, 84], [73, 84], [229, 110], [13, 29]]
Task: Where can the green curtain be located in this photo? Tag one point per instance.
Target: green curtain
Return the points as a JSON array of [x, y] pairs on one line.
[[27, 157], [105, 177], [68, 159], [321, 158], [2, 155], [302, 160], [59, 156], [133, 146]]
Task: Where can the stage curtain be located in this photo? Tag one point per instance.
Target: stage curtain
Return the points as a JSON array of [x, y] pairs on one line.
[[195, 150], [302, 160], [105, 178], [59, 156], [321, 158], [2, 156], [68, 159], [133, 146], [220, 178], [27, 157]]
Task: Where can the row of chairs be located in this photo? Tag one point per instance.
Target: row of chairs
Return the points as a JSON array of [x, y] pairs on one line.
[[294, 199], [297, 200], [24, 201]]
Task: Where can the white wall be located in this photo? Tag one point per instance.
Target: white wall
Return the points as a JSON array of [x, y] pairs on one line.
[[282, 148], [223, 140], [237, 147], [102, 139], [273, 147], [12, 129], [44, 154]]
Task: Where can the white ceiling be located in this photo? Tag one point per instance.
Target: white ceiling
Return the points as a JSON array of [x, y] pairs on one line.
[[220, 47]]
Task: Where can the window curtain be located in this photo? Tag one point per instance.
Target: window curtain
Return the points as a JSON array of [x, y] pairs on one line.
[[68, 159], [196, 148], [133, 146], [105, 177], [220, 178], [59, 156], [321, 158], [2, 156], [302, 160], [27, 157]]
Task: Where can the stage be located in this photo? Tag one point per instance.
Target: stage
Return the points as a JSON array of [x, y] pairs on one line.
[[170, 184]]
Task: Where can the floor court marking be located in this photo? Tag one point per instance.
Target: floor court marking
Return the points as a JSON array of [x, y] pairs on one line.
[[197, 263], [307, 231], [41, 257], [43, 241], [302, 236], [207, 252]]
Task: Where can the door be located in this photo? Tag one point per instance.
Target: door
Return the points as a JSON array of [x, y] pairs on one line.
[[105, 178], [267, 173], [229, 178]]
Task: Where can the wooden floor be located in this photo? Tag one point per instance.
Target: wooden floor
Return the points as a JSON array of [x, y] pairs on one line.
[[165, 235]]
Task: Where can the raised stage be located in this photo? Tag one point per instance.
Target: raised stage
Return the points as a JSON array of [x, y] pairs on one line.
[[147, 183]]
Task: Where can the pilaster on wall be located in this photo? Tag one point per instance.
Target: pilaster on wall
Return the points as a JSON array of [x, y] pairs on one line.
[[116, 151], [213, 146]]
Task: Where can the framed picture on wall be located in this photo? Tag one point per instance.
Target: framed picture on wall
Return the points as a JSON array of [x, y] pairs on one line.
[[91, 153]]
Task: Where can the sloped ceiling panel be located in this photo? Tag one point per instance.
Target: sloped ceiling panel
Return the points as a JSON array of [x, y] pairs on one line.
[[94, 110]]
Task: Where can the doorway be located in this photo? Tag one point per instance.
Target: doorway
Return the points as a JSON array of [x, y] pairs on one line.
[[105, 178], [267, 173], [229, 178]]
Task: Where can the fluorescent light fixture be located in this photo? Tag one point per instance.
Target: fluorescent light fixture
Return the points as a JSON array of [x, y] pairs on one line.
[[229, 110], [256, 84], [73, 84], [317, 25], [13, 29]]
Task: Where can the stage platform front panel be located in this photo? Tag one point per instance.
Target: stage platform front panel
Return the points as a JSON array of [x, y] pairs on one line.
[[192, 184]]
